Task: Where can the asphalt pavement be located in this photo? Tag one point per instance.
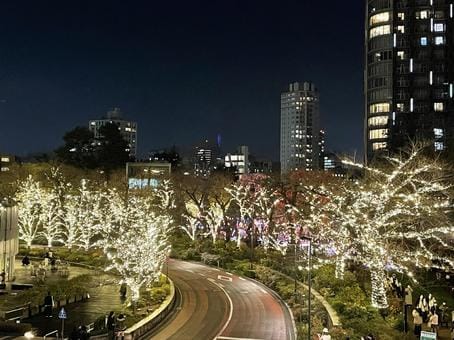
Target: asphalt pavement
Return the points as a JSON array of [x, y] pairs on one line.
[[215, 304]]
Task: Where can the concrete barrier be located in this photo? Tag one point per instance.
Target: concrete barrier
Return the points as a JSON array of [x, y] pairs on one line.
[[147, 324]]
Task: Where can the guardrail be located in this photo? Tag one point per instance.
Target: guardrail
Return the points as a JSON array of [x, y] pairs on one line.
[[18, 313], [50, 333]]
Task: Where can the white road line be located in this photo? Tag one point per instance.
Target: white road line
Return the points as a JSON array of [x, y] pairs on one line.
[[202, 274], [189, 270], [263, 291], [225, 278], [230, 313], [218, 270], [242, 278], [229, 273]]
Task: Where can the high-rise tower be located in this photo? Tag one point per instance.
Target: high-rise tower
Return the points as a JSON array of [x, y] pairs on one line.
[[300, 128], [409, 74]]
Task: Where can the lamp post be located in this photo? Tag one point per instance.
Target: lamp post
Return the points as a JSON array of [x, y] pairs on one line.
[[309, 279]]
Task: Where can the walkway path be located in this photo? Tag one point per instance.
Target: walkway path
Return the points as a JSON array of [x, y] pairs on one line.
[[104, 297]]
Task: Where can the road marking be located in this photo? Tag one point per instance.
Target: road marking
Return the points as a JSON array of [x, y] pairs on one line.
[[263, 291], [189, 270], [218, 270], [211, 280], [242, 278], [230, 338], [225, 278], [202, 274], [230, 313], [229, 273]]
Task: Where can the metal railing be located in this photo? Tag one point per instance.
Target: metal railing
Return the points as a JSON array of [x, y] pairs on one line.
[[50, 333]]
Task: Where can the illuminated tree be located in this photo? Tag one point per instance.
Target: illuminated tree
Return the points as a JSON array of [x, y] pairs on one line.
[[137, 243], [50, 217], [29, 197], [397, 218], [91, 214], [72, 218], [215, 218], [52, 206], [193, 220], [244, 197]]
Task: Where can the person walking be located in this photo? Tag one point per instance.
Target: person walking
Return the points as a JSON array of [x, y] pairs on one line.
[[48, 305], [417, 322]]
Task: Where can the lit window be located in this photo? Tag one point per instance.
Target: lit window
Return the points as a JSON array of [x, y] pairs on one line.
[[438, 106], [380, 30], [439, 146], [401, 16], [378, 121], [439, 40], [422, 14], [401, 55], [378, 134], [423, 41], [379, 107], [400, 107], [5, 159], [401, 29], [379, 146], [439, 27], [378, 18], [438, 133]]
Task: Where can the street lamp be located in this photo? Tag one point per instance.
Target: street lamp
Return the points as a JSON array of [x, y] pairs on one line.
[[309, 279]]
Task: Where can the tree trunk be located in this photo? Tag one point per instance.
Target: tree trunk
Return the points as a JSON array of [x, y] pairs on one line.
[[379, 299]]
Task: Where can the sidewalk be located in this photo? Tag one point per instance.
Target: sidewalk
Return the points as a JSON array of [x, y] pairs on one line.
[[104, 297]]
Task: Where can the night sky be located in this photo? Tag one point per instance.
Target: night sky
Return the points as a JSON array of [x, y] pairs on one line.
[[184, 70]]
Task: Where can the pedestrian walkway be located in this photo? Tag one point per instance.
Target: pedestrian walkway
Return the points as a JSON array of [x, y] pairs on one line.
[[104, 297]]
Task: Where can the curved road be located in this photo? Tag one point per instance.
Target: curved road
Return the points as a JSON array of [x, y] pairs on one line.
[[215, 304]]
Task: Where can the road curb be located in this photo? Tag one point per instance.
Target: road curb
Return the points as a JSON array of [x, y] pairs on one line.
[[144, 326]]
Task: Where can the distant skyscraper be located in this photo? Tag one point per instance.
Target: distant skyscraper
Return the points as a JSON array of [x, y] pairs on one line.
[[204, 162], [128, 129], [300, 128], [409, 74]]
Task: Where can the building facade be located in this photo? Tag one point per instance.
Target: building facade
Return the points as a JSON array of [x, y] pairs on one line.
[[128, 129], [204, 160], [409, 74], [9, 238], [300, 128], [5, 162], [239, 160]]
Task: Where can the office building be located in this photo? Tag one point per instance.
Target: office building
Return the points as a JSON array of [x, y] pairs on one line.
[[239, 160], [127, 128], [300, 130], [204, 161], [409, 74]]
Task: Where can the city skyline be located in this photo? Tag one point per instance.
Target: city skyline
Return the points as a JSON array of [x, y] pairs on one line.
[[221, 71]]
